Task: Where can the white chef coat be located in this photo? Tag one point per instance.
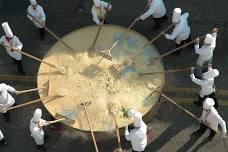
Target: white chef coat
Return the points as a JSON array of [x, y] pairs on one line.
[[1, 135], [157, 10], [99, 13], [181, 30], [206, 51], [38, 14], [207, 85], [212, 118], [36, 132], [15, 43], [6, 100], [137, 137]]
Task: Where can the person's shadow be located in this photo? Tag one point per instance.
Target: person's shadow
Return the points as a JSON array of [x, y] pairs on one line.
[[204, 142], [191, 142], [178, 122]]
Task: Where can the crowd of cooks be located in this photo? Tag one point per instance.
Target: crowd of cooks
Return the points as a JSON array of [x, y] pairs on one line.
[[203, 74]]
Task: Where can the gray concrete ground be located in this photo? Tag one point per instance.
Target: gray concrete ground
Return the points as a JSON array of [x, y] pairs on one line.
[[170, 127]]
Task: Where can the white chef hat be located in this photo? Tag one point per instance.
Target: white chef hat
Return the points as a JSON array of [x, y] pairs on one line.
[[33, 2], [176, 15], [7, 30], [37, 115], [97, 3], [208, 103], [131, 112], [211, 73], [208, 39], [137, 119], [1, 135]]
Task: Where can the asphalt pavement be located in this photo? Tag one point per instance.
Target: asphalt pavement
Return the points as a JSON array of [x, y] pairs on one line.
[[170, 127]]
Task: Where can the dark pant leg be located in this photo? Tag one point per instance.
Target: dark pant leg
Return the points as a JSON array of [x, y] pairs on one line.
[[157, 23], [20, 69], [202, 129], [213, 96], [6, 116], [3, 141], [188, 40], [80, 5], [42, 33], [136, 151], [212, 133], [178, 52], [105, 21], [200, 101]]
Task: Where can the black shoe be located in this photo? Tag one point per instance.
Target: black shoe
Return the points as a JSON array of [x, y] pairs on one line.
[[41, 147], [3, 142]]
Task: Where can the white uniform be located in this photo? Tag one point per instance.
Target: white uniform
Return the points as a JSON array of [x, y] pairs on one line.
[[1, 135], [98, 11], [15, 43], [181, 30], [207, 85], [206, 51], [212, 118], [36, 132], [6, 100], [138, 135], [157, 10], [38, 14]]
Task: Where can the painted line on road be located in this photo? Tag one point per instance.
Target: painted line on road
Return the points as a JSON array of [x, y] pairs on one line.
[[17, 77]]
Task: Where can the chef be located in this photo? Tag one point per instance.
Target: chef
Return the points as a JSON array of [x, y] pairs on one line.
[[6, 100], [99, 10], [205, 52], [137, 136], [181, 31], [37, 16], [2, 139], [36, 129], [210, 117], [12, 41], [207, 85], [157, 10]]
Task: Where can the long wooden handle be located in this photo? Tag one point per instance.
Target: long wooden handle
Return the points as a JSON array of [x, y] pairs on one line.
[[186, 111], [100, 26], [91, 131], [127, 30], [30, 90], [168, 71], [37, 59], [55, 121], [117, 132], [98, 32], [53, 34], [28, 103], [181, 47], [171, 71], [151, 41], [30, 56], [123, 34]]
